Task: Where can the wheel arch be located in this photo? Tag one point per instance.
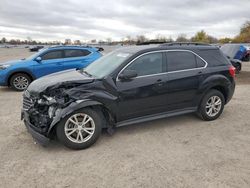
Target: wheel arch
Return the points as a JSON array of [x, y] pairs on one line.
[[31, 76], [218, 82], [106, 114]]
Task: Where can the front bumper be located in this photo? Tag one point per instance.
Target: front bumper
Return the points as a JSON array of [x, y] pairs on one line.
[[3, 78], [38, 137]]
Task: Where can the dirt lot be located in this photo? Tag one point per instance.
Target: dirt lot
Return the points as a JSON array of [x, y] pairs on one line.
[[176, 152]]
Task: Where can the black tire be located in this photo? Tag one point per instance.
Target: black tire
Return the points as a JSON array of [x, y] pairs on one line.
[[61, 135], [19, 75], [238, 68], [202, 110]]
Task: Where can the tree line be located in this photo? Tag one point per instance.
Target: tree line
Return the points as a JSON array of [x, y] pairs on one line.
[[200, 36]]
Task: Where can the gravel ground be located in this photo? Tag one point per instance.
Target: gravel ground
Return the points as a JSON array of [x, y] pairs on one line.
[[175, 152]]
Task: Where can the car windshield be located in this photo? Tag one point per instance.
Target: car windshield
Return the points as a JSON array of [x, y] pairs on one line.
[[106, 64], [36, 54]]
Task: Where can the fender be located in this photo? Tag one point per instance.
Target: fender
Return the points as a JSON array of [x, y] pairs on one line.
[[211, 82], [61, 113], [20, 70]]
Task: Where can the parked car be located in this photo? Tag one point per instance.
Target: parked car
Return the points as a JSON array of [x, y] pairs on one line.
[[20, 73], [247, 54], [130, 85], [236, 51], [236, 63], [35, 48]]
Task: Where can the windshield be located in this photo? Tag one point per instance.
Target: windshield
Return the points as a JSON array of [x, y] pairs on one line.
[[36, 54], [106, 64]]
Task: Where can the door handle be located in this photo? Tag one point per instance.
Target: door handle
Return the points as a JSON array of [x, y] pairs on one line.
[[159, 82], [200, 72]]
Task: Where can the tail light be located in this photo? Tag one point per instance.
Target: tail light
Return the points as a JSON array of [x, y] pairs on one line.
[[232, 71]]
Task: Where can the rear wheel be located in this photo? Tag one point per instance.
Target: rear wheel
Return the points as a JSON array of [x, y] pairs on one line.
[[238, 68], [20, 81], [212, 105], [80, 129]]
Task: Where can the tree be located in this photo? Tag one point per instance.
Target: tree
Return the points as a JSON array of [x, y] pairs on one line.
[[4, 40], [225, 40], [160, 38], [200, 36], [182, 38], [212, 39], [141, 39], [244, 35]]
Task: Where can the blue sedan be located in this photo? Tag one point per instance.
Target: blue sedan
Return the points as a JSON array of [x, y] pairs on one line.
[[20, 73]]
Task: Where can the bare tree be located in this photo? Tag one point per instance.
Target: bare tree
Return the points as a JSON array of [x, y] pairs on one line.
[[182, 38], [141, 39]]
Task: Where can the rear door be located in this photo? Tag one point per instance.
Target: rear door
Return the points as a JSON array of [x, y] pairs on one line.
[[185, 72], [52, 61], [76, 58], [145, 94]]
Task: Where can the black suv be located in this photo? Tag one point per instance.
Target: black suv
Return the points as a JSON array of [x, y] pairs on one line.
[[129, 85]]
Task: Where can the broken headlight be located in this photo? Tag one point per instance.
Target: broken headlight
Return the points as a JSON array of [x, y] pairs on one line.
[[45, 100]]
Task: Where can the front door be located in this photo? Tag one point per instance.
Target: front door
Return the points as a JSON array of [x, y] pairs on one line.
[[52, 61], [146, 93]]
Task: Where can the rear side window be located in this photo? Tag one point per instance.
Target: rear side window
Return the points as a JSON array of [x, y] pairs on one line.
[[76, 53], [180, 60], [147, 64], [214, 57], [200, 62], [53, 55]]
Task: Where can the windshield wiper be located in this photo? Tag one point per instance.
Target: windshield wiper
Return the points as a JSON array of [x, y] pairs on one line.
[[85, 72]]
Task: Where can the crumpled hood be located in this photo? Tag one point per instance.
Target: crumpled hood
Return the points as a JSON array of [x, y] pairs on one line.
[[58, 79]]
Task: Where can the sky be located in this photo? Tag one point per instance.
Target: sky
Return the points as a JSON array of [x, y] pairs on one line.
[[50, 20]]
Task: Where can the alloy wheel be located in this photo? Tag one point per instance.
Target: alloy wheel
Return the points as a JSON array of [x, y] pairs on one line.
[[213, 106], [21, 82], [79, 128]]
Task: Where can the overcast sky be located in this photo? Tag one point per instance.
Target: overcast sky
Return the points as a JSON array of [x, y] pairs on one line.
[[116, 19]]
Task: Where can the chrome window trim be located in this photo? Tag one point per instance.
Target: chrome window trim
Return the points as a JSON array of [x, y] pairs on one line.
[[160, 51], [91, 52]]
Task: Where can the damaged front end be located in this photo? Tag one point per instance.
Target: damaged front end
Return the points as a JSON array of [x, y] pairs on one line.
[[39, 111]]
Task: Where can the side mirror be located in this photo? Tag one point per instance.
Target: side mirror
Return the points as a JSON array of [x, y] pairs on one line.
[[127, 74], [38, 59]]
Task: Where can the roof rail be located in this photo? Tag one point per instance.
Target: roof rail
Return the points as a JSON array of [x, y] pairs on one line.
[[58, 46], [185, 43], [150, 42]]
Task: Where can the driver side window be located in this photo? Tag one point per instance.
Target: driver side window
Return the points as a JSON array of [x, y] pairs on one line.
[[147, 64], [53, 55]]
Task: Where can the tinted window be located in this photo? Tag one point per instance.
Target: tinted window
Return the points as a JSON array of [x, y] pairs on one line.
[[180, 61], [52, 55], [214, 57], [147, 64], [76, 53], [200, 62]]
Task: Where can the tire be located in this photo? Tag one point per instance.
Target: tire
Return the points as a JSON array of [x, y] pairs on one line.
[[205, 111], [20, 81], [238, 68], [78, 138]]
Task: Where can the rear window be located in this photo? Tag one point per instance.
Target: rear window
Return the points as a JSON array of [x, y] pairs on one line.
[[214, 57], [76, 53], [180, 61]]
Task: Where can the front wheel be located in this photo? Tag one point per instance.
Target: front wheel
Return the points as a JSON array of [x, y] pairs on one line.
[[212, 105], [20, 81], [80, 129]]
